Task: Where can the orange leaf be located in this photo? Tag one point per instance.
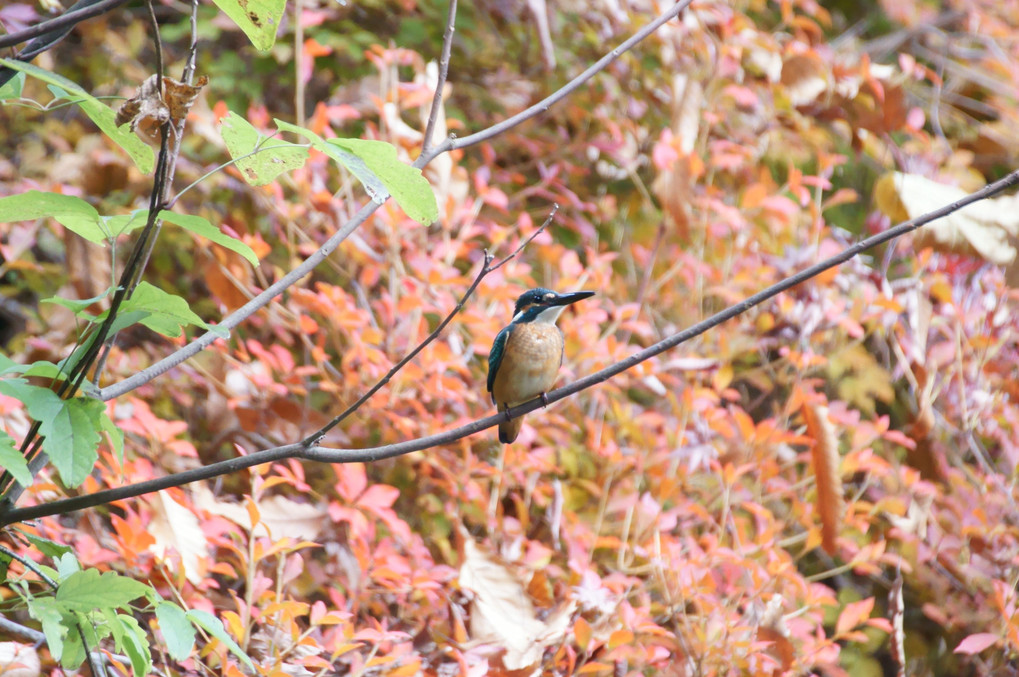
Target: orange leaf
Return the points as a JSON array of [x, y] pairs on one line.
[[825, 457], [582, 631], [853, 614]]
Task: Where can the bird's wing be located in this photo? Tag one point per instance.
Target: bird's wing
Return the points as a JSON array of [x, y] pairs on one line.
[[495, 356]]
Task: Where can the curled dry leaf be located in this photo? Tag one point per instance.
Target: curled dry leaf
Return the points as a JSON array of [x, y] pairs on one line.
[[174, 526], [805, 77], [279, 516], [149, 108], [826, 460], [988, 229], [502, 614]]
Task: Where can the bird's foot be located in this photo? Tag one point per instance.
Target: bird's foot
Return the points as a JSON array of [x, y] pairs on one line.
[[544, 399], [506, 414]]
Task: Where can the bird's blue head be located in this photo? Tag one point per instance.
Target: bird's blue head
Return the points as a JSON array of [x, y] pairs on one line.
[[540, 304]]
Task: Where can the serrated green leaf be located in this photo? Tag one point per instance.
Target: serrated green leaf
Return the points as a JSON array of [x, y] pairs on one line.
[[13, 87], [12, 461], [200, 226], [164, 313], [271, 160], [407, 185], [73, 431], [87, 590], [178, 633], [259, 19], [69, 427], [102, 115], [214, 627]]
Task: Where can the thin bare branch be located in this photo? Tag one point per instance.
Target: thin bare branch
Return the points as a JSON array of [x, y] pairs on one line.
[[329, 455], [567, 89], [447, 48], [64, 21]]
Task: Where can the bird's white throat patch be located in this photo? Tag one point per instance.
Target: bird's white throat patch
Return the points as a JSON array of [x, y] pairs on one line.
[[549, 315]]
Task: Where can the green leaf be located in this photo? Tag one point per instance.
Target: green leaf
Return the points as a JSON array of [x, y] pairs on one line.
[[69, 427], [72, 212], [47, 612], [259, 19], [44, 545], [67, 566], [72, 438], [74, 650], [122, 224], [77, 306], [408, 187], [87, 590], [214, 627], [130, 638], [164, 313], [12, 89], [12, 461], [377, 167], [178, 633], [270, 161], [102, 115], [200, 226]]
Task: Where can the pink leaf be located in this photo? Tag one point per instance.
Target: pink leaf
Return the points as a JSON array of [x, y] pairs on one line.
[[976, 643]]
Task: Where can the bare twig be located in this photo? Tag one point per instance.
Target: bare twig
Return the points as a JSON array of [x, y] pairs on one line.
[[567, 89], [328, 455], [65, 20], [369, 208], [447, 48]]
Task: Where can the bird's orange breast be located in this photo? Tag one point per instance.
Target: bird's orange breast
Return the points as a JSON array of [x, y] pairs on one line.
[[530, 364]]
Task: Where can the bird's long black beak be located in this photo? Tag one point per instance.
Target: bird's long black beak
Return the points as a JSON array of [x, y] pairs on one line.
[[571, 297]]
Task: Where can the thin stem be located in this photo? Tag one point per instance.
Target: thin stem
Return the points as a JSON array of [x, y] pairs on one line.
[[447, 48]]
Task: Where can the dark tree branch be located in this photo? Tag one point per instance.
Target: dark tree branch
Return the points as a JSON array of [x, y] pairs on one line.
[[65, 21], [328, 455]]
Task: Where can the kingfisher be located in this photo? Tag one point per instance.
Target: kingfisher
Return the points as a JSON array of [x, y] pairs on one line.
[[527, 353]]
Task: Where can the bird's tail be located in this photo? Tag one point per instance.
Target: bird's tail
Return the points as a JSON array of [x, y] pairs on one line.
[[508, 430]]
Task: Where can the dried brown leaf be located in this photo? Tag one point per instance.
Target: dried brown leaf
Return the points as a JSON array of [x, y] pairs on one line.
[[988, 229], [502, 614]]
